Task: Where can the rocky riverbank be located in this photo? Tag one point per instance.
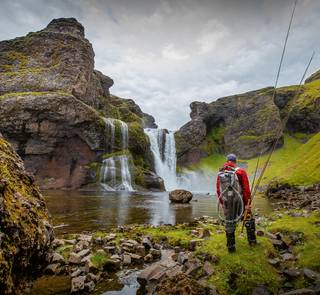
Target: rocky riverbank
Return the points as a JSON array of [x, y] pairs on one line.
[[192, 258]]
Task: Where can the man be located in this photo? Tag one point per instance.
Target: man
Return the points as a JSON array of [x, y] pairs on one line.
[[233, 191]]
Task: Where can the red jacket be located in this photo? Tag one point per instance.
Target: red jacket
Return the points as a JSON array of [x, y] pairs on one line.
[[243, 179]]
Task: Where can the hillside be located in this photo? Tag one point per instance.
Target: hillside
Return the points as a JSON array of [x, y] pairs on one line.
[[247, 124]]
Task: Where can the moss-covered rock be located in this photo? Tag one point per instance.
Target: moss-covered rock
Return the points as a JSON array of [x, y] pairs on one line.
[[25, 232]]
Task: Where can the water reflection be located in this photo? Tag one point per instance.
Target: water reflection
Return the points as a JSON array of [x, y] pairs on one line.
[[81, 211]]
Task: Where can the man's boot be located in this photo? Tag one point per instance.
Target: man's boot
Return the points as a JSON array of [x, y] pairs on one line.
[[251, 231], [231, 242]]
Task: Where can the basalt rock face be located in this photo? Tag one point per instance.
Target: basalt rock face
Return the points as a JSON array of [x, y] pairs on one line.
[[248, 124], [53, 104], [25, 232]]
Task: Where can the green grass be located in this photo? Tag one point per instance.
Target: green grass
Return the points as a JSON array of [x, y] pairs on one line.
[[295, 163], [308, 252], [99, 259], [249, 263]]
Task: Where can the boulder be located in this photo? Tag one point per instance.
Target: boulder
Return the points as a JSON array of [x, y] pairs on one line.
[[77, 284], [180, 196], [26, 234]]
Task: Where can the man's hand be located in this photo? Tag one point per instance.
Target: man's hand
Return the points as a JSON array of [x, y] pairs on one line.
[[248, 206]]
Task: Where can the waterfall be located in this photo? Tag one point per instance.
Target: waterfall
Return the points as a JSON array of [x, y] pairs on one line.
[[115, 171], [162, 144]]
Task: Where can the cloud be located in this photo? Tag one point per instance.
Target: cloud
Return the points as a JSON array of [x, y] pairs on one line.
[[165, 54]]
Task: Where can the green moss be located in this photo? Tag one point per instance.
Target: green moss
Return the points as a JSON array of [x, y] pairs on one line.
[[65, 251], [99, 259], [30, 93]]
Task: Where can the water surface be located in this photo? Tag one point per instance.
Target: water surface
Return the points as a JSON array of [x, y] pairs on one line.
[[74, 211]]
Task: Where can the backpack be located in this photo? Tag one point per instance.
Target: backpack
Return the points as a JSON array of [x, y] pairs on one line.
[[231, 193]]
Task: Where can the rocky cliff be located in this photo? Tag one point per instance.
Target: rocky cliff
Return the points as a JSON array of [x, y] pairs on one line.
[[25, 232], [248, 123], [53, 105]]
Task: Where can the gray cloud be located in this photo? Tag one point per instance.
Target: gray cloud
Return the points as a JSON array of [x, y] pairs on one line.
[[165, 54]]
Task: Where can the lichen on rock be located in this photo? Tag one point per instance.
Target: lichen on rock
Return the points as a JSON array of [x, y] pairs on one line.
[[25, 231]]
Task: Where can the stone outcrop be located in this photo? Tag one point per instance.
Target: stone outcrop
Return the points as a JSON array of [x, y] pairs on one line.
[[25, 232], [247, 124], [52, 105]]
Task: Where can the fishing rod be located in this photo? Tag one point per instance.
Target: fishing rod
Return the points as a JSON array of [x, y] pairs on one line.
[[284, 123], [246, 211]]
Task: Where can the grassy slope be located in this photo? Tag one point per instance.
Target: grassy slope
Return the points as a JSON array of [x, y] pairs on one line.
[[294, 163], [250, 263]]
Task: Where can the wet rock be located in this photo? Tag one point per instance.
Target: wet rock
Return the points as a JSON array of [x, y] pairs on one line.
[[148, 258], [260, 290], [292, 273], [83, 252], [126, 259], [182, 258], [141, 250], [89, 286], [303, 291], [310, 274], [112, 265], [74, 258], [204, 233], [146, 243], [57, 258], [207, 268], [180, 196], [77, 284], [52, 269], [155, 253], [287, 256], [110, 249], [274, 262], [136, 259]]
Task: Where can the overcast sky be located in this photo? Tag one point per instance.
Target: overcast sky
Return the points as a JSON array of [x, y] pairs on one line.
[[165, 54]]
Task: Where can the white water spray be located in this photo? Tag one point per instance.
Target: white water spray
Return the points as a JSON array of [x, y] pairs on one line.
[[163, 148], [115, 171]]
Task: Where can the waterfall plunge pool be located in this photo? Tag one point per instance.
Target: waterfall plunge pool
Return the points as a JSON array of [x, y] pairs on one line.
[[74, 211]]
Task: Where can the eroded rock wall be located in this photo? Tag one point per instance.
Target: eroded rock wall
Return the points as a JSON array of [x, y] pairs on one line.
[[25, 231]]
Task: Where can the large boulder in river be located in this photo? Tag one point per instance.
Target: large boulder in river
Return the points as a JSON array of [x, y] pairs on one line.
[[25, 232], [53, 105], [180, 196]]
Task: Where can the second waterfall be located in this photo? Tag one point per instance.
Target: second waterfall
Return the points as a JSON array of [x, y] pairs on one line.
[[162, 144]]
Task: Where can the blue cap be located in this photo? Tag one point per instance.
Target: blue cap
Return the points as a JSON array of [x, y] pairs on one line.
[[232, 158]]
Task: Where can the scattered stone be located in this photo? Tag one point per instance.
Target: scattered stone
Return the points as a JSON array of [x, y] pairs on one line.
[[141, 250], [274, 262], [86, 258], [148, 258], [146, 243], [126, 259], [76, 273], [310, 274], [77, 284], [193, 244], [71, 242], [110, 249], [57, 258], [180, 196], [204, 233], [192, 267], [57, 243], [287, 256], [301, 292], [155, 253], [52, 269], [292, 273], [136, 259], [182, 257], [260, 233], [74, 258], [208, 269], [89, 286], [260, 290], [115, 256], [90, 267], [84, 253], [112, 265], [83, 237]]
